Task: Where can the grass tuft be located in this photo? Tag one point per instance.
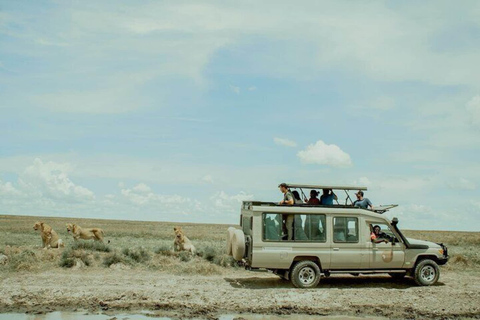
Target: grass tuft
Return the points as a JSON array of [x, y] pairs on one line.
[[91, 246], [70, 257], [24, 260], [114, 258], [164, 250], [185, 256], [139, 255]]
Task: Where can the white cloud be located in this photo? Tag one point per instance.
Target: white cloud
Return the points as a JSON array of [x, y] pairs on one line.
[[473, 109], [7, 189], [232, 202], [325, 154], [284, 142], [51, 180], [253, 88], [141, 194], [363, 182], [235, 89], [461, 184], [207, 178]]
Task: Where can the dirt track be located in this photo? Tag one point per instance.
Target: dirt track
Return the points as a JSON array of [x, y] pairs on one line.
[[238, 291]]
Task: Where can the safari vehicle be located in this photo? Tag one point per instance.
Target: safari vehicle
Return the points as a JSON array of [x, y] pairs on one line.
[[327, 240]]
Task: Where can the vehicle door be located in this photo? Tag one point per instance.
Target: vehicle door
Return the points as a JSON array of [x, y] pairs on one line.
[[347, 251], [385, 255]]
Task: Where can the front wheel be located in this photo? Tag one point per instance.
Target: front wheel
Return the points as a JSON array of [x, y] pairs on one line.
[[426, 272], [305, 274]]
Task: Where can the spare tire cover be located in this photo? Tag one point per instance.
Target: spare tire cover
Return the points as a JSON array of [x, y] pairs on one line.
[[238, 245], [230, 232]]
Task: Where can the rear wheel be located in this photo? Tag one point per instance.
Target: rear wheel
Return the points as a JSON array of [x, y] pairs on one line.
[[305, 274], [427, 273]]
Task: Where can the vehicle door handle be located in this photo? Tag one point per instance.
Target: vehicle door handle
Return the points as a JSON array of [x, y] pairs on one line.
[[336, 249]]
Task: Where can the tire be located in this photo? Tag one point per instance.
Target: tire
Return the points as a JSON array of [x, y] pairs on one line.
[[397, 276], [426, 273], [238, 245], [305, 274], [230, 232]]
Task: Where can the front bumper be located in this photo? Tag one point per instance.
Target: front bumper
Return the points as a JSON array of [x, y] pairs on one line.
[[444, 259]]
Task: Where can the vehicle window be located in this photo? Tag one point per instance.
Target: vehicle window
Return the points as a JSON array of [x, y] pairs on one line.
[[314, 227], [345, 229], [246, 225], [385, 231], [295, 227], [272, 226]]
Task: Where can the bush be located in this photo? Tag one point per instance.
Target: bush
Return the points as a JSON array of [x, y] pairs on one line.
[[208, 253], [138, 254], [225, 261], [114, 258], [25, 260], [69, 258], [185, 256], [92, 246], [164, 250]]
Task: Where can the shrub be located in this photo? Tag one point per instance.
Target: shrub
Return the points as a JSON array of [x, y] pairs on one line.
[[185, 256], [460, 259], [24, 260], [164, 250], [92, 246], [114, 258], [138, 254], [208, 253], [225, 261], [69, 258]]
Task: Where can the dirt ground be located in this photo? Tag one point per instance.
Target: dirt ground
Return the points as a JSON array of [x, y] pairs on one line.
[[238, 291]]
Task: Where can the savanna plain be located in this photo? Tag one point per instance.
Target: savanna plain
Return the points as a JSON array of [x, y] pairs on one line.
[[137, 270]]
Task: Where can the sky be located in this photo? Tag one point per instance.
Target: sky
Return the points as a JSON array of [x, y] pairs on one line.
[[180, 110]]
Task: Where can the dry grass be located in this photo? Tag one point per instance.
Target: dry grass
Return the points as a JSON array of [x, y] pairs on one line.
[[135, 244], [138, 244]]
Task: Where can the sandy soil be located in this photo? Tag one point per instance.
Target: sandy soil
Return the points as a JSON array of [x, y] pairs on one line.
[[456, 294]]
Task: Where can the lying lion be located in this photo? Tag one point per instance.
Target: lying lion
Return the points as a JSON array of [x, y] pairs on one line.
[[182, 243], [50, 238], [84, 233]]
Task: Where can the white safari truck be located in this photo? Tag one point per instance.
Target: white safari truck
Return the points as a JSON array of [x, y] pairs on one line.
[[329, 239]]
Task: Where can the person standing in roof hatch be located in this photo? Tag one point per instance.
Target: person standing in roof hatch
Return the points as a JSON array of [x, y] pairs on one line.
[[362, 202]]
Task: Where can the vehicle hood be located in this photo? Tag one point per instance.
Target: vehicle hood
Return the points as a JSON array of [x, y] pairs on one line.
[[423, 242]]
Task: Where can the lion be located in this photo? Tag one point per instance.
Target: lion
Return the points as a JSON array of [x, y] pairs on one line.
[[182, 243], [50, 238], [96, 234]]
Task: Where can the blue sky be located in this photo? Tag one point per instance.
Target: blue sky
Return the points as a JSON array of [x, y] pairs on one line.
[[178, 111]]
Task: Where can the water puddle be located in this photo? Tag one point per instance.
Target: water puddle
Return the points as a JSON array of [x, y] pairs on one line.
[[149, 316]]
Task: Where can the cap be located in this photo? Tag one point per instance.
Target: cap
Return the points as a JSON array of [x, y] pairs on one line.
[[283, 184], [360, 192]]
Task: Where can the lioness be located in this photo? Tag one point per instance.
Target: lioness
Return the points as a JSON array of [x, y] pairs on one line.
[[50, 238], [182, 243], [84, 233]]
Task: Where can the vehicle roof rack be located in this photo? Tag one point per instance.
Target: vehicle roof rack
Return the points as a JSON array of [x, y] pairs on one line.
[[384, 208], [377, 209], [333, 187]]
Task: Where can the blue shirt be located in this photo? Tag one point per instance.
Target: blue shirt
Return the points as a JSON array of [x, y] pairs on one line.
[[363, 203], [327, 199]]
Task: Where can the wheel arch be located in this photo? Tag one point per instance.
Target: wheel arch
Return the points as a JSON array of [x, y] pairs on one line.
[[314, 259], [424, 257]]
